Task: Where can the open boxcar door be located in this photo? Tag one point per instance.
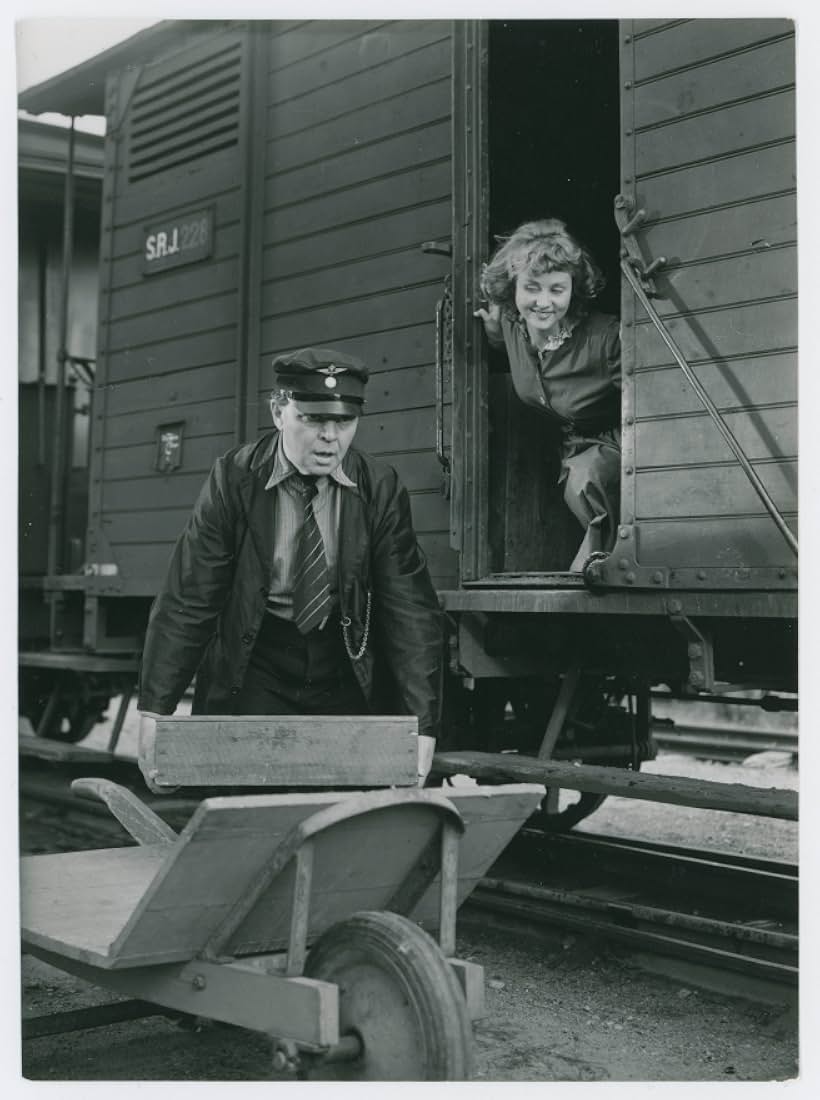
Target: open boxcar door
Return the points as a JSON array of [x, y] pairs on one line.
[[708, 183], [691, 121]]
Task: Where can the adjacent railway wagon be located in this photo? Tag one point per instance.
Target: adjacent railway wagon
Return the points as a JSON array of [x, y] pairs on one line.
[[271, 185]]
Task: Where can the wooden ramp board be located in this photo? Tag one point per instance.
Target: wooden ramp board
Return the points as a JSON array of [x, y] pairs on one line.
[[164, 902], [61, 752], [282, 751], [705, 794]]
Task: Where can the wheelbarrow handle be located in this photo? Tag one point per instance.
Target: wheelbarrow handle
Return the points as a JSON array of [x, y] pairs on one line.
[[136, 818]]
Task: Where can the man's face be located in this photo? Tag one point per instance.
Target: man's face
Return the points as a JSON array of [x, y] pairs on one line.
[[315, 444]]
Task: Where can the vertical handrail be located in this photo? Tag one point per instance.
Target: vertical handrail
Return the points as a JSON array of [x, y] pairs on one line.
[[440, 384], [443, 329], [42, 337], [58, 490], [442, 307]]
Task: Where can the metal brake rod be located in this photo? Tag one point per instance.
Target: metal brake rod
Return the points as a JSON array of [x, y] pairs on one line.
[[710, 407]]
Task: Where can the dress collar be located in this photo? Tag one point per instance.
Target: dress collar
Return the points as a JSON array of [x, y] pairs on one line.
[[554, 340]]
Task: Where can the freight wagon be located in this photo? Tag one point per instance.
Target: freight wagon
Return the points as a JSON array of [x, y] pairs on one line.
[[271, 185]]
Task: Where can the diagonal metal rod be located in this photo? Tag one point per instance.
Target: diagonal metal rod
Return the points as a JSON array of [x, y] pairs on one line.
[[710, 407]]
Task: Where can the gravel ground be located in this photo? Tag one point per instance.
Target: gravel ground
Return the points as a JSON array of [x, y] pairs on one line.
[[581, 1013], [567, 1011], [560, 1008]]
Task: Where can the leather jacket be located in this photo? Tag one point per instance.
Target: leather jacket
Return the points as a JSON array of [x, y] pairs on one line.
[[208, 613]]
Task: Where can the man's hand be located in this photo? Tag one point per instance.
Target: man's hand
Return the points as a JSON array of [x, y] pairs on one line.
[[426, 748], [147, 729]]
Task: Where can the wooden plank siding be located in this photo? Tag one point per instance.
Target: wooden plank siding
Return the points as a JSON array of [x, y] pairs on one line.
[[170, 339], [748, 382], [128, 462], [143, 562], [352, 135], [357, 177], [708, 153]]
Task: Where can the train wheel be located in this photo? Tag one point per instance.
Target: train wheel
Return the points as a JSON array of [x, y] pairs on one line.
[[567, 814], [572, 806], [601, 732], [60, 705], [398, 996]]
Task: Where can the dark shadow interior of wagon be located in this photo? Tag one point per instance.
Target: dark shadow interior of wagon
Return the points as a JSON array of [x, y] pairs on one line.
[[554, 151]]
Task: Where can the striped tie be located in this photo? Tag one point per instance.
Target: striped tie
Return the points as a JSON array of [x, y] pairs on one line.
[[311, 583]]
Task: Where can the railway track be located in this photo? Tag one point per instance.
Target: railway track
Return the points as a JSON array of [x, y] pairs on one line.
[[727, 914], [733, 915], [724, 742]]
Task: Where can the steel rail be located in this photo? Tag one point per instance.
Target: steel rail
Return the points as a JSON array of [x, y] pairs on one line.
[[722, 742], [719, 909], [713, 884], [610, 846], [679, 935]]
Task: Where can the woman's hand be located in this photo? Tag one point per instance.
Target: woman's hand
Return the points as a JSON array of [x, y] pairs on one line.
[[491, 317]]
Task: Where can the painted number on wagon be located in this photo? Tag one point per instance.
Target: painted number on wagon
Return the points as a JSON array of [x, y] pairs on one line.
[[183, 240]]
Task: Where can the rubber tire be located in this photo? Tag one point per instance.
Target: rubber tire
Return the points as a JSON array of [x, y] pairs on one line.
[[398, 993]]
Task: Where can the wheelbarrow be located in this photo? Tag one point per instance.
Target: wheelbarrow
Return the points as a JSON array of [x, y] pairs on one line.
[[306, 916]]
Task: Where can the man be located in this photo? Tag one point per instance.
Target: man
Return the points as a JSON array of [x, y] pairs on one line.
[[298, 586]]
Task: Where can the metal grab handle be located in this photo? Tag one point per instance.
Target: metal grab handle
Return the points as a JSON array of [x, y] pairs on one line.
[[440, 455], [444, 307], [627, 223], [444, 310], [709, 405]]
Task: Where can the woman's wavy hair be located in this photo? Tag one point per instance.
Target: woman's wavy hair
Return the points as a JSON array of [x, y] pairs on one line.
[[537, 248]]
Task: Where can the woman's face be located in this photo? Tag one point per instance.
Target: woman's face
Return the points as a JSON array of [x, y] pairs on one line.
[[543, 300]]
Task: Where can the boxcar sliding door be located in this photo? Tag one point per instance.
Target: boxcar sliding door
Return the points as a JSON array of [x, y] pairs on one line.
[[708, 154]]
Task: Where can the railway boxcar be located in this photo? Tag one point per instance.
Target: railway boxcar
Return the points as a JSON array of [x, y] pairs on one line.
[[58, 336], [268, 185]]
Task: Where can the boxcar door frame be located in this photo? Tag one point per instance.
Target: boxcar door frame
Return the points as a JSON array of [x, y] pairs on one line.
[[468, 508], [472, 507]]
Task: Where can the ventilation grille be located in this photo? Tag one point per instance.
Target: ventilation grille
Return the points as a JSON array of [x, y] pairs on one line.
[[180, 117]]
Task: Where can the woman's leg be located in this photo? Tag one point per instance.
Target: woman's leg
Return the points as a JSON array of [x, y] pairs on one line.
[[592, 493]]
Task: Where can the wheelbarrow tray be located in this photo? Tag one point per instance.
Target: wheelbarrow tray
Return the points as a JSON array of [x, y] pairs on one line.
[[161, 903]]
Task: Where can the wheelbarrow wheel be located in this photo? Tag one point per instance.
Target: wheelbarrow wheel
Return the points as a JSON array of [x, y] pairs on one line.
[[398, 996]]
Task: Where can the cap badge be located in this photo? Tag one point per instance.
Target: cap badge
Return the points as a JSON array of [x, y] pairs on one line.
[[330, 372]]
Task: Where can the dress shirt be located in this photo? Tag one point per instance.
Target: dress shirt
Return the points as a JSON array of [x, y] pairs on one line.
[[289, 515]]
